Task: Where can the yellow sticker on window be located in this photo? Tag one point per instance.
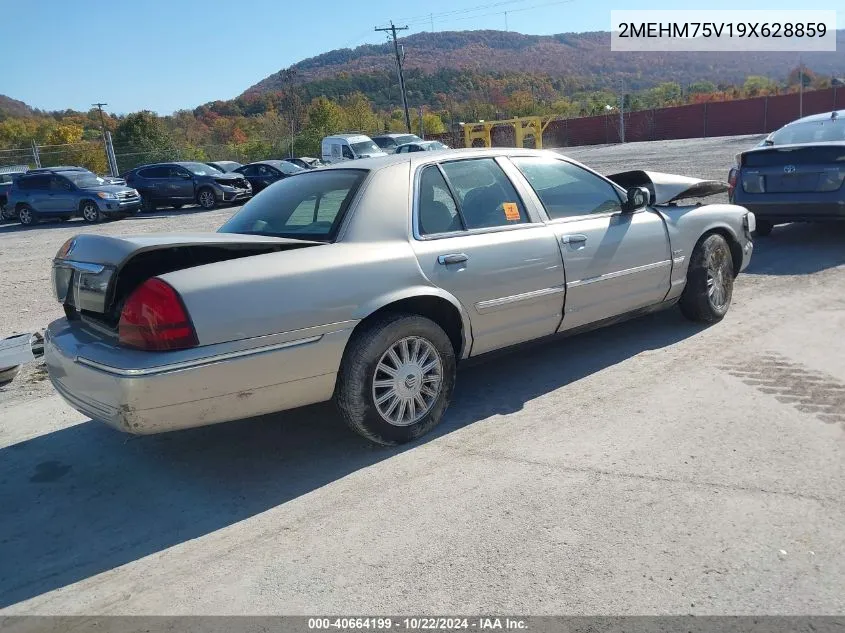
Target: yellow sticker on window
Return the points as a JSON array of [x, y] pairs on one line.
[[511, 211]]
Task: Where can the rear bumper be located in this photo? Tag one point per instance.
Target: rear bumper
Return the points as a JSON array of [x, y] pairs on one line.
[[794, 207], [208, 390]]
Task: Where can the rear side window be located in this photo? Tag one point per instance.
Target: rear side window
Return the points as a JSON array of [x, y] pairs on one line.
[[479, 191], [34, 182], [567, 190], [437, 210], [310, 206], [154, 172]]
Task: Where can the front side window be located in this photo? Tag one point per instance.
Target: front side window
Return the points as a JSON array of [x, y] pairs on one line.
[[310, 206], [347, 153], [486, 198], [60, 184], [567, 190]]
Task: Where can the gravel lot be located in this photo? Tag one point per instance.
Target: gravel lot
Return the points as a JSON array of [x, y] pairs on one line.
[[652, 467]]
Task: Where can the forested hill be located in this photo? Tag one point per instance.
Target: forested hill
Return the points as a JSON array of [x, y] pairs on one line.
[[583, 60]]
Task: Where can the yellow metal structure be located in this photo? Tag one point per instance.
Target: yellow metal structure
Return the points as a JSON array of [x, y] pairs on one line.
[[522, 126]]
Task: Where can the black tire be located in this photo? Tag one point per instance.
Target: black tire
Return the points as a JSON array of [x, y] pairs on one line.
[[90, 212], [764, 228], [710, 281], [27, 216], [206, 198], [355, 393], [177, 206], [147, 204]]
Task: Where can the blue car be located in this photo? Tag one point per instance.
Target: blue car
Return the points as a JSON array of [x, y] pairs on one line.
[[64, 193]]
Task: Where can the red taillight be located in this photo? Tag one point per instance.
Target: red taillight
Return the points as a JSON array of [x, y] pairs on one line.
[[732, 180], [154, 318]]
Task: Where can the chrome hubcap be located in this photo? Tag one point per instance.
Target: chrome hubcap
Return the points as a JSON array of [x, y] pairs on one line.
[[89, 213], [717, 273], [407, 381]]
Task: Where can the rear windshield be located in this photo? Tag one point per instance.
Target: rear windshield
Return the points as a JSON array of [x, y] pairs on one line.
[[813, 132], [309, 206]]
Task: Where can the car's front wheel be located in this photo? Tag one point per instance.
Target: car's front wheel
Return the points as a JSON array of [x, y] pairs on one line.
[[764, 228], [206, 198], [26, 216], [396, 378], [90, 213], [710, 281]]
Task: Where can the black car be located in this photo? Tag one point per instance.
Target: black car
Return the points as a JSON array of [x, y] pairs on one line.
[[795, 175], [266, 172], [226, 166], [177, 184], [306, 162]]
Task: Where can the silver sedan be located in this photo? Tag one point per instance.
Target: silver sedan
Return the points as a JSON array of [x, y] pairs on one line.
[[367, 282]]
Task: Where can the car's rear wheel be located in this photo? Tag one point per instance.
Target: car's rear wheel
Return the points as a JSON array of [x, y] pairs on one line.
[[396, 378], [26, 215], [206, 198], [710, 281], [6, 213], [90, 213], [764, 228]]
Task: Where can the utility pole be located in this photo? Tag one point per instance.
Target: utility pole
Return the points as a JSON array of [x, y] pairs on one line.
[[399, 59], [422, 126], [99, 107], [800, 87]]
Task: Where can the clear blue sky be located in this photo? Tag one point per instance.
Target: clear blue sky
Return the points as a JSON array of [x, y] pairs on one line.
[[164, 55]]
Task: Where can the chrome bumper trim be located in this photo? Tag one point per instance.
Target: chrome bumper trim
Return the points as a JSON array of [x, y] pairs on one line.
[[199, 362]]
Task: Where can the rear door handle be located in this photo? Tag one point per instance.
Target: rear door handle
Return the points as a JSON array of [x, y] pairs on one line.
[[452, 258], [573, 239]]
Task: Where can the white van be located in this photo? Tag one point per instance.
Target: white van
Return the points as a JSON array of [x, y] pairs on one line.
[[342, 147]]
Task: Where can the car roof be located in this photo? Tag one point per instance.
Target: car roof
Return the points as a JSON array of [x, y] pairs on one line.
[[416, 158], [395, 135], [814, 118]]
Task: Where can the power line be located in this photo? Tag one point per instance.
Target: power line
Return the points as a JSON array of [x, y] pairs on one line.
[[484, 15], [429, 16]]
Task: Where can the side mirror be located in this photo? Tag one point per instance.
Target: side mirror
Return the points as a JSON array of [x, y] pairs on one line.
[[638, 198]]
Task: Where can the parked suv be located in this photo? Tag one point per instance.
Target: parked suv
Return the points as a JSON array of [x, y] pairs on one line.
[[7, 175], [63, 194], [177, 184]]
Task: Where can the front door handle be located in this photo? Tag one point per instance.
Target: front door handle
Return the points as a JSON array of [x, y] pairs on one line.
[[573, 239], [452, 258]]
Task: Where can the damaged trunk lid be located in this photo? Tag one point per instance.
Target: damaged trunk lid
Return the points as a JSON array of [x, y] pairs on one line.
[[93, 274]]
